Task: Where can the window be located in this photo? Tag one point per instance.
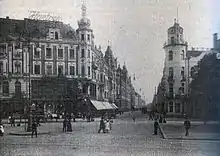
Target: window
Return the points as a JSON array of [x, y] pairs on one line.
[[56, 36], [83, 53], [37, 52], [72, 70], [37, 69], [83, 71], [48, 53], [88, 70], [177, 107], [17, 88], [182, 55], [171, 89], [60, 69], [170, 55], [60, 53], [88, 37], [1, 68], [182, 71], [5, 88], [82, 37], [2, 50], [170, 106], [18, 53], [72, 54], [49, 69], [88, 53], [172, 40], [171, 72], [17, 67]]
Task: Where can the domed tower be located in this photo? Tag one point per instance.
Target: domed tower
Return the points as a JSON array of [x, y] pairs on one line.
[[86, 42], [175, 70]]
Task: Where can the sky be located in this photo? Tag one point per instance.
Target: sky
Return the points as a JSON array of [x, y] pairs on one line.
[[135, 29]]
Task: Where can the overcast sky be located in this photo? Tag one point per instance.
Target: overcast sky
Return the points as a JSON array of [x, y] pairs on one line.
[[136, 29]]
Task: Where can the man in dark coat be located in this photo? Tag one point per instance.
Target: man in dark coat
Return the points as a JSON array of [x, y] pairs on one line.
[[102, 125], [187, 126], [64, 125], [34, 129], [156, 125]]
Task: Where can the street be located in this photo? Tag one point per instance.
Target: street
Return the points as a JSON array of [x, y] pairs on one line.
[[126, 138]]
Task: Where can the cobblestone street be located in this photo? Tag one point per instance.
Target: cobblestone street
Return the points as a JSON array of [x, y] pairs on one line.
[[126, 138]]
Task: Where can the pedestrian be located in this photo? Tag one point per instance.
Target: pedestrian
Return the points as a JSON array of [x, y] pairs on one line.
[[187, 126], [156, 125], [34, 129], [64, 124], [101, 125], [1, 130], [111, 122], [12, 121], [107, 126], [69, 125]]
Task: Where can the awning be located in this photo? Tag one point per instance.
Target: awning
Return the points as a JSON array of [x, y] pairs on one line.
[[102, 105], [108, 106], [115, 107], [98, 105]]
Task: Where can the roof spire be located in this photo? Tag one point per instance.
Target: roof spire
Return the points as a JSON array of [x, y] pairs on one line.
[[177, 14], [83, 8]]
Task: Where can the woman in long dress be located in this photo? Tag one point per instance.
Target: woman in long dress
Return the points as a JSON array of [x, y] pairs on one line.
[[107, 126]]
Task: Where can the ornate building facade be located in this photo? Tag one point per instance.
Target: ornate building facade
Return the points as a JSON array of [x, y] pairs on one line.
[[37, 56]]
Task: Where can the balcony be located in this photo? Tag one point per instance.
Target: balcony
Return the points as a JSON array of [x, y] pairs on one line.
[[174, 43]]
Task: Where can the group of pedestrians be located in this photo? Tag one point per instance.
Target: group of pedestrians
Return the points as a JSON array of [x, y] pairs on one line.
[[105, 125]]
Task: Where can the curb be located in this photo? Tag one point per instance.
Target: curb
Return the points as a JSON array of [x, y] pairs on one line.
[[27, 134], [202, 139], [162, 132]]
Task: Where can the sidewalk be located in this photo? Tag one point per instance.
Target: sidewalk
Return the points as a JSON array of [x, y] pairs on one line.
[[198, 130]]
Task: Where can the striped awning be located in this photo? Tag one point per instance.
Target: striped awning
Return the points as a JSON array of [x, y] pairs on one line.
[[98, 105], [102, 105]]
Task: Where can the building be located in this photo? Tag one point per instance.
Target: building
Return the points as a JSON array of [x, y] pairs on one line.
[[216, 42], [179, 65], [204, 95], [175, 73], [57, 67]]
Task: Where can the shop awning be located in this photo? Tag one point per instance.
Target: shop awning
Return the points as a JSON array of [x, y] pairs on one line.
[[108, 106], [102, 105], [98, 105], [114, 106]]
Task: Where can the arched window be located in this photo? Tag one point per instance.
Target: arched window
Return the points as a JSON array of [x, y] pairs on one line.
[[56, 35], [172, 40], [182, 72], [170, 55], [17, 88], [171, 72], [5, 88], [182, 55]]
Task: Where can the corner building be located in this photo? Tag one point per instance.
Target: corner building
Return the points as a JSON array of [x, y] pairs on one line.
[[56, 67], [175, 72]]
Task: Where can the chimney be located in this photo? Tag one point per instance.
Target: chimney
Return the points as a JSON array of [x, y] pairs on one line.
[[215, 39]]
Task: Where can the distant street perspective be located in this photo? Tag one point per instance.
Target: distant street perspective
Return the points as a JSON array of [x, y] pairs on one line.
[[146, 91]]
